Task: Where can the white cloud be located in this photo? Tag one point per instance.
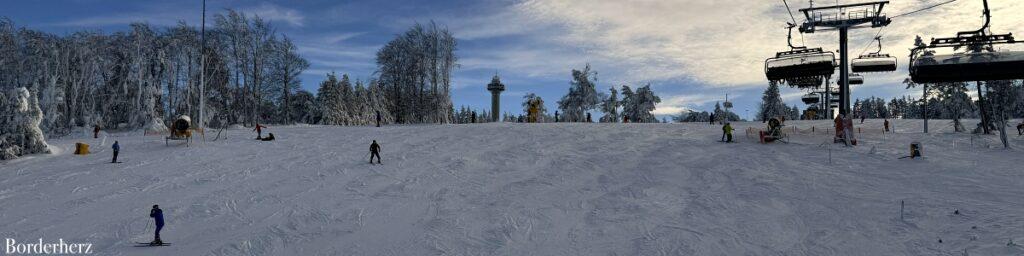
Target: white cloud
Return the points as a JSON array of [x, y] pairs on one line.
[[273, 12]]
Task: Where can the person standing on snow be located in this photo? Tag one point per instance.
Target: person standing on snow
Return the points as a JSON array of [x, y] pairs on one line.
[[158, 217], [727, 132], [117, 148], [378, 118], [96, 131], [259, 131], [886, 125], [374, 151]]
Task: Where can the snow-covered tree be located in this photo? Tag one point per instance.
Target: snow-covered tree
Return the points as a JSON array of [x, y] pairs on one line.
[[532, 98], [610, 107], [582, 96], [771, 104], [20, 134], [637, 106]]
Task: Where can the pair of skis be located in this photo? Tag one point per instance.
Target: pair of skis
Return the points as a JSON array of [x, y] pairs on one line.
[[151, 244]]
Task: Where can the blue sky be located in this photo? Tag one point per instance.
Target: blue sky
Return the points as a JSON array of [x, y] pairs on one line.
[[692, 52]]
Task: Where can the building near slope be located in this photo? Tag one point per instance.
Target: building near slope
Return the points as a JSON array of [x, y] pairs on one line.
[[19, 130]]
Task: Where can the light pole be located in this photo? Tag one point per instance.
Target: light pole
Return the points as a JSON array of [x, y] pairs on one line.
[[202, 73]]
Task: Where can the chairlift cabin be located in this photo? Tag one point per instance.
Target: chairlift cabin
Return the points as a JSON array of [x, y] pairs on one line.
[[981, 62], [874, 62], [801, 67], [811, 98]]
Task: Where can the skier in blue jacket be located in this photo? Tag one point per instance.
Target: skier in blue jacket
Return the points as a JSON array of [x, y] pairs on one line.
[[117, 148], [158, 216]]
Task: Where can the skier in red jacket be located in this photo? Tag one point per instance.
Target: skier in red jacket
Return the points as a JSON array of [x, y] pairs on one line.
[[259, 131]]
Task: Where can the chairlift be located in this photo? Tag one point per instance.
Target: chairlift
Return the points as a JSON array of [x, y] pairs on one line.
[[980, 62], [811, 98], [800, 66], [856, 79], [874, 62]]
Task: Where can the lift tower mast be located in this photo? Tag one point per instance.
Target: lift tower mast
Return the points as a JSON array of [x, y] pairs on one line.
[[843, 18]]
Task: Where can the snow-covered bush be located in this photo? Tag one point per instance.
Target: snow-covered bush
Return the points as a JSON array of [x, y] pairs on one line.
[[19, 132]]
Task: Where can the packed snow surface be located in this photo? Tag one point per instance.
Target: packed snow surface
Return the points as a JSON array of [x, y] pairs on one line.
[[527, 189]]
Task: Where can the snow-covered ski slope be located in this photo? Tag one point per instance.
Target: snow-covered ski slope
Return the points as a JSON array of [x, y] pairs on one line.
[[527, 189]]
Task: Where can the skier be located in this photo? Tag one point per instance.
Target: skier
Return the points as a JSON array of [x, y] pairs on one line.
[[374, 151], [474, 117], [378, 118], [96, 131], [117, 148], [158, 217], [711, 119], [556, 116], [862, 116], [886, 125], [727, 132], [259, 131], [1020, 128], [588, 118]]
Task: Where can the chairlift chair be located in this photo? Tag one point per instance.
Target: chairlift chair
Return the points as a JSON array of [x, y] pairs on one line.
[[981, 62], [856, 79], [874, 62], [800, 66], [811, 98]]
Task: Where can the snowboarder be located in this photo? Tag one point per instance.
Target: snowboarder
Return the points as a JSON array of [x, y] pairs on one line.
[[727, 132], [374, 151], [96, 131], [378, 118], [259, 131], [886, 125], [117, 148], [270, 137], [158, 217]]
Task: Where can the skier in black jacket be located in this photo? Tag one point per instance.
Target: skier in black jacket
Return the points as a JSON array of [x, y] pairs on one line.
[[158, 216], [374, 151]]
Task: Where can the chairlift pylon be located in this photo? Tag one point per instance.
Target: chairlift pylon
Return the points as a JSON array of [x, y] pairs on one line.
[[874, 62], [979, 62]]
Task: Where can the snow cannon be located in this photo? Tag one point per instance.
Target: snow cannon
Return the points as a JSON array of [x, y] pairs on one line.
[[774, 131], [181, 129]]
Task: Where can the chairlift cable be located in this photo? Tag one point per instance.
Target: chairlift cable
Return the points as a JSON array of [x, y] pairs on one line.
[[866, 46], [794, 21], [924, 9]]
